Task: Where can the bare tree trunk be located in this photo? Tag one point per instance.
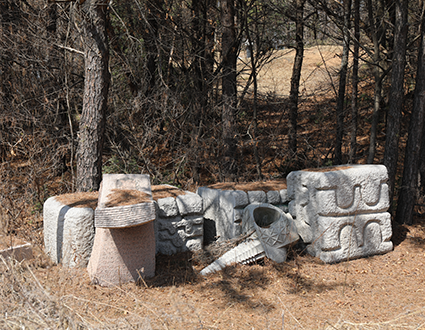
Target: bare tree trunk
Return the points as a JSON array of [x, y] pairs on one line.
[[229, 52], [296, 75], [378, 83], [409, 186], [96, 85], [355, 83], [342, 83], [396, 94]]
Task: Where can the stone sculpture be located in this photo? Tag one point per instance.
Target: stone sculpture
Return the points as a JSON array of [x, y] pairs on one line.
[[179, 224], [124, 243], [270, 231], [340, 212]]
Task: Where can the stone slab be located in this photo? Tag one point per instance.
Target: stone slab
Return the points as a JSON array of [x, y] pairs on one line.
[[189, 203], [68, 233], [122, 255]]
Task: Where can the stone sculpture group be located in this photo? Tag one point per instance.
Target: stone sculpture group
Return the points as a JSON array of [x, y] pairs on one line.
[[339, 213]]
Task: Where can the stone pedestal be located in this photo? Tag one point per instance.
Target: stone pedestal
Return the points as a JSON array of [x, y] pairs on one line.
[[340, 212], [124, 244], [122, 255]]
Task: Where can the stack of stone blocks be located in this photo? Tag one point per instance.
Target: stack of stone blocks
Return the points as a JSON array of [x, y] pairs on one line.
[[341, 212], [225, 207], [179, 224]]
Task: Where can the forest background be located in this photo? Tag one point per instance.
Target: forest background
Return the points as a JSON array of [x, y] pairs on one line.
[[168, 88]]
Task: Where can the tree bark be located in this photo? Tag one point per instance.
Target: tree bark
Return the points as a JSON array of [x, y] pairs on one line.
[[355, 83], [96, 85], [229, 52], [396, 93], [342, 83], [409, 186], [378, 83], [296, 75]]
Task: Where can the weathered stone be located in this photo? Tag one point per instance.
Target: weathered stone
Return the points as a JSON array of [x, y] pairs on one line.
[[68, 233], [274, 228], [257, 197], [126, 215], [240, 197], [189, 203], [179, 234], [122, 255], [284, 196], [167, 207], [273, 197], [326, 202]]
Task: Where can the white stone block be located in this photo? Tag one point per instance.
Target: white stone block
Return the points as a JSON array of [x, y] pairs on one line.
[[189, 203], [326, 202], [273, 197], [167, 207], [68, 233], [240, 197], [257, 197]]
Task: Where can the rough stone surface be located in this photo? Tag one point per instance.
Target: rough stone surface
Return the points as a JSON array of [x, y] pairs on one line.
[[224, 208], [273, 197], [284, 196], [257, 197], [274, 228], [167, 207], [126, 215], [179, 234], [189, 203], [122, 255], [348, 200], [68, 233]]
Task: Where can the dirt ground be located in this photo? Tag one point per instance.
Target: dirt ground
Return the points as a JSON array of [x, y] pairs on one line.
[[379, 292]]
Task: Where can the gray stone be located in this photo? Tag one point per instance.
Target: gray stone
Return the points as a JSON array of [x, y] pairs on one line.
[[273, 197], [241, 198], [167, 207], [189, 203], [257, 197], [329, 202], [284, 196], [274, 228], [68, 233], [179, 234]]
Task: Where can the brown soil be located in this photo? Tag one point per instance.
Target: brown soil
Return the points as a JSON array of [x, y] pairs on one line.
[[326, 169], [7, 242]]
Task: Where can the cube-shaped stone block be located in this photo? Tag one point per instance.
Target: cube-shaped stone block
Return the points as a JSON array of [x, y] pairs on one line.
[[328, 203], [189, 203], [257, 197], [68, 233], [273, 197]]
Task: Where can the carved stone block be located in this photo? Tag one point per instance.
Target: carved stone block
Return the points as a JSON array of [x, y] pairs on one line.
[[329, 205]]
